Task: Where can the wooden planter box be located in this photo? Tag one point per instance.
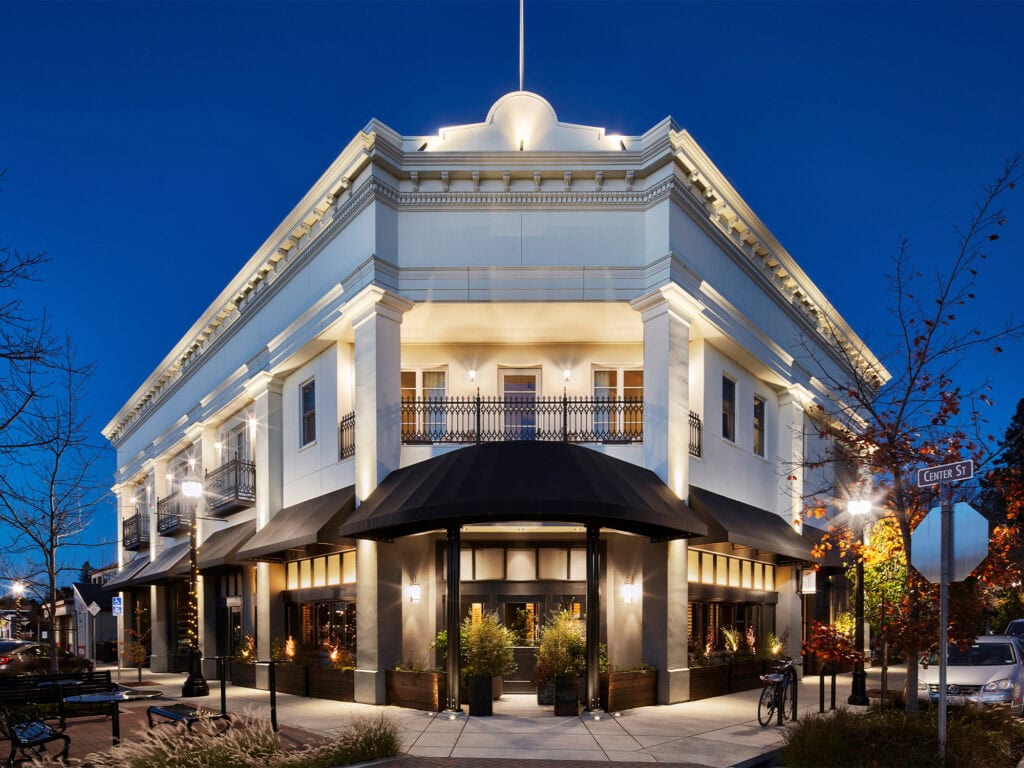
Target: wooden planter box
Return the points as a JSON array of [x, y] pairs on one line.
[[292, 678], [336, 684], [626, 690], [567, 696], [416, 690], [243, 674], [745, 675], [706, 682]]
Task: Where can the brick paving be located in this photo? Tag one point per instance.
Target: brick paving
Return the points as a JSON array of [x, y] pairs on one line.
[[410, 761]]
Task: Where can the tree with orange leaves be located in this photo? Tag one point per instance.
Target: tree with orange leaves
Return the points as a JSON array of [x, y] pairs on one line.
[[921, 416]]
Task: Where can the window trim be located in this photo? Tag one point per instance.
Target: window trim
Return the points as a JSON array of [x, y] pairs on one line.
[[731, 414], [760, 432], [303, 442]]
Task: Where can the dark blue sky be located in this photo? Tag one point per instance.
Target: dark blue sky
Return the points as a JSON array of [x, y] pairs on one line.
[[151, 148]]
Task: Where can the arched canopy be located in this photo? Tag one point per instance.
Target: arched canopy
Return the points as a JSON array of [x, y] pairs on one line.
[[523, 481]]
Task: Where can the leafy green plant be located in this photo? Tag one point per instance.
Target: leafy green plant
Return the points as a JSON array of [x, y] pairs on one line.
[[246, 651], [731, 639], [563, 648], [488, 646]]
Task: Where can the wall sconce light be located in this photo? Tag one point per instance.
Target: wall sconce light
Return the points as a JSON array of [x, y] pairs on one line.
[[415, 593], [219, 445], [169, 477], [472, 374], [253, 423], [566, 374], [631, 592], [191, 462]]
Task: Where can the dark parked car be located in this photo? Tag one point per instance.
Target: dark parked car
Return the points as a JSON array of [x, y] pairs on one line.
[[24, 657], [1015, 628]]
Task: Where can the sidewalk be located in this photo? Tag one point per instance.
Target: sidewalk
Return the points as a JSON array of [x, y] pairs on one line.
[[714, 733]]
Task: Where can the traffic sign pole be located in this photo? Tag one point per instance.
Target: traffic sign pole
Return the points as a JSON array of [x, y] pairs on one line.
[[946, 510]]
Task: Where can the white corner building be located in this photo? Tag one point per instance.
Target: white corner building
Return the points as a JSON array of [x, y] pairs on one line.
[[576, 360]]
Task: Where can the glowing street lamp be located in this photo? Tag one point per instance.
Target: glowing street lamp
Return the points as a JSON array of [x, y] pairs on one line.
[[195, 683], [859, 509]]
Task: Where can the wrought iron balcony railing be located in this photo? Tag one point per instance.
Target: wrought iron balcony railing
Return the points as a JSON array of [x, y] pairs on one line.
[[231, 487], [696, 433], [347, 436], [135, 530], [476, 419], [171, 514]]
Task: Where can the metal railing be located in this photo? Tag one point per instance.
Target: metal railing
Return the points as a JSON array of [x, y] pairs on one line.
[[347, 436], [476, 419], [171, 514], [135, 530], [696, 434], [231, 487]]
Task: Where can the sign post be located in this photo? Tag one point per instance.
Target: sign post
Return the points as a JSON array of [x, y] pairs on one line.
[[944, 476], [117, 609]]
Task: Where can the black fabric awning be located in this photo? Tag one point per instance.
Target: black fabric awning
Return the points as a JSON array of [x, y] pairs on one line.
[[165, 566], [221, 547], [527, 481], [314, 521], [119, 580], [744, 525]]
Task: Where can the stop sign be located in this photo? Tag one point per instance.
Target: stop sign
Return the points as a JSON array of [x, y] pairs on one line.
[[970, 542]]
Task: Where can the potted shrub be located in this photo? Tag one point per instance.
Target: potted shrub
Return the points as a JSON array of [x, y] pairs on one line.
[[488, 654], [411, 685], [243, 671], [561, 661], [291, 676]]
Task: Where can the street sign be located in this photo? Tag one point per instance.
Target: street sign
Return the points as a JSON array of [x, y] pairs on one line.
[[970, 543], [93, 608], [945, 473], [116, 606]]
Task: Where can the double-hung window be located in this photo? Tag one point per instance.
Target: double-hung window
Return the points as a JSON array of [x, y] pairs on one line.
[[758, 426], [423, 405], [618, 404], [728, 409], [307, 413], [234, 443]]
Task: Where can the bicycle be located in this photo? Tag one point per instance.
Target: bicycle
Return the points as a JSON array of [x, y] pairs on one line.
[[778, 695]]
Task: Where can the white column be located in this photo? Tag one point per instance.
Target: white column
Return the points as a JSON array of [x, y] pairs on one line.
[[376, 318], [789, 610], [158, 660], [206, 450], [667, 315], [267, 457], [791, 425]]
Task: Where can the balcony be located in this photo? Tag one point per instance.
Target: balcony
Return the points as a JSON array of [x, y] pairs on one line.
[[478, 419], [171, 514], [135, 531], [347, 436], [696, 434], [231, 487]]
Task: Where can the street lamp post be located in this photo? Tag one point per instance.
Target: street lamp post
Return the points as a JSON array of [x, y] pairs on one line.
[[195, 683], [859, 509]]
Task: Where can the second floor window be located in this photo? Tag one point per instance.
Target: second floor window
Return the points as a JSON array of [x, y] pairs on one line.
[[430, 388], [626, 387], [235, 443], [307, 410], [728, 409], [759, 426]]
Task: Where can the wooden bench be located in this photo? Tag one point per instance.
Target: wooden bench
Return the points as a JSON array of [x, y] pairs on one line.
[[172, 714]]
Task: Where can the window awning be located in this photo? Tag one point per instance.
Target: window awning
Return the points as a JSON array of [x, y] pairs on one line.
[[166, 565], [744, 525], [315, 521], [119, 580], [221, 547], [528, 481]]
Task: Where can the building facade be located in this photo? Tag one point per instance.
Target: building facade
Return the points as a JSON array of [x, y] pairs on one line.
[[517, 365]]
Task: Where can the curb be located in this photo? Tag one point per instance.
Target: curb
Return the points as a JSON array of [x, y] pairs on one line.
[[765, 759]]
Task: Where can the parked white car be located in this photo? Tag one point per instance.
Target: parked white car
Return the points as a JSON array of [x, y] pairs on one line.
[[990, 672]]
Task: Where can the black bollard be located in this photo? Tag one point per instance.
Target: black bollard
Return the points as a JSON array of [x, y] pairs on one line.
[[273, 695], [833, 702], [222, 668], [821, 691]]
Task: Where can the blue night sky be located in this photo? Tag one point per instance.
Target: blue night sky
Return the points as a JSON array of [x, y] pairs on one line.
[[152, 147]]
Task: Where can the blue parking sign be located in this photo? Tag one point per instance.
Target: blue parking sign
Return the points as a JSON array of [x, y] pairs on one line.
[[115, 606]]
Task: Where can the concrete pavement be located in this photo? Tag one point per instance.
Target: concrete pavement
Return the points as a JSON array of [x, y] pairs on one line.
[[712, 733]]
